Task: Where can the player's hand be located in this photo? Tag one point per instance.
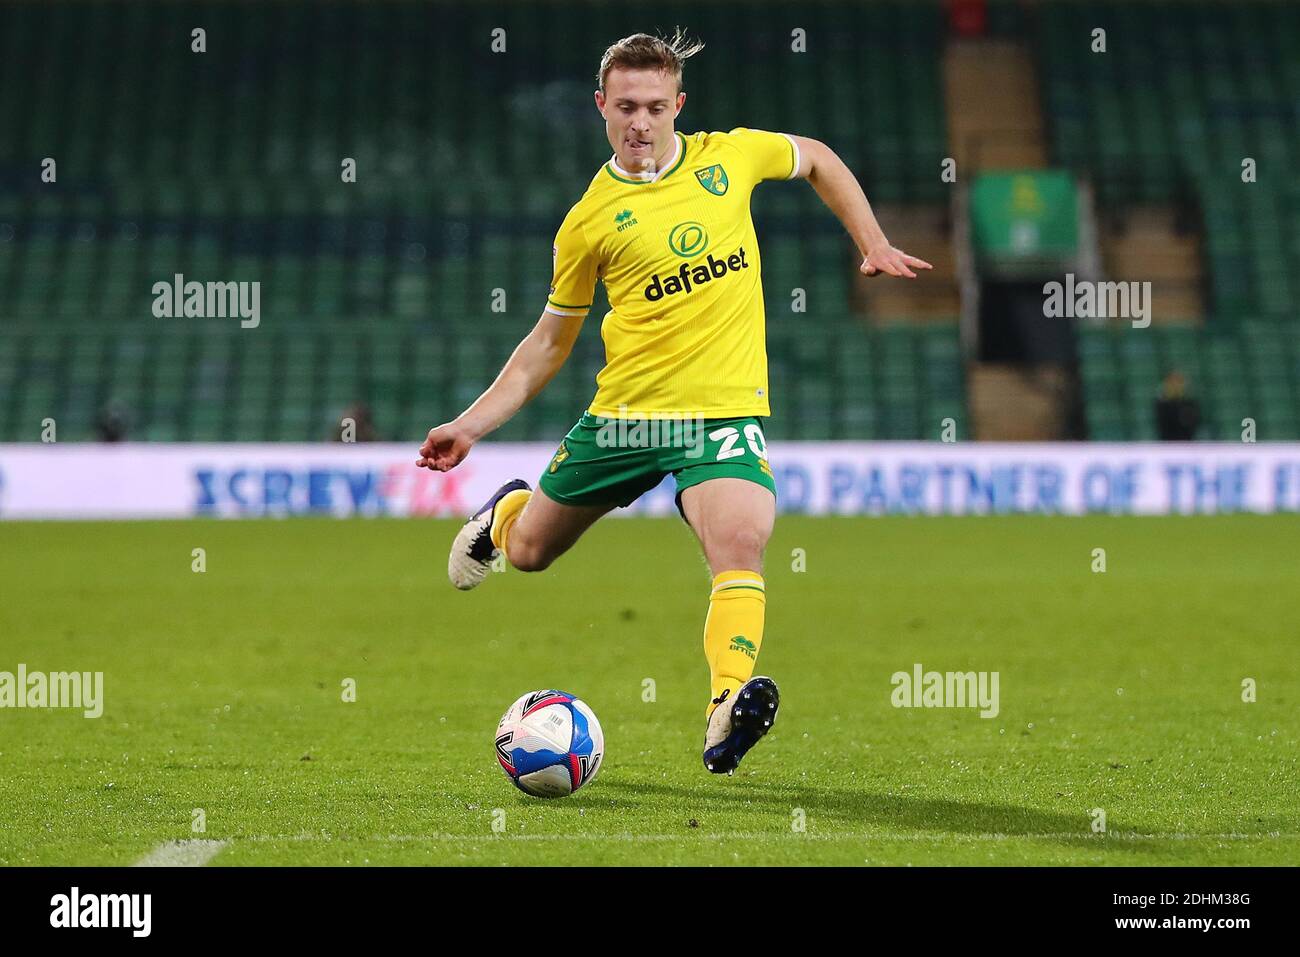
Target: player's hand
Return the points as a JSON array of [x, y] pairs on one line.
[[894, 262], [445, 448]]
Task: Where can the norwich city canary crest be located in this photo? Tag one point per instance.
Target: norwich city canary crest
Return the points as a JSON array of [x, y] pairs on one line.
[[714, 179]]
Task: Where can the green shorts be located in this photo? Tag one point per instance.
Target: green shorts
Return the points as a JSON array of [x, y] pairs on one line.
[[604, 461]]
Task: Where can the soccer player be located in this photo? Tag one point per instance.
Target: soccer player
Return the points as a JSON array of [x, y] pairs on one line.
[[665, 224]]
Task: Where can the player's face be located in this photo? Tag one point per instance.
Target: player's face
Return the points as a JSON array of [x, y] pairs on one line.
[[639, 107]]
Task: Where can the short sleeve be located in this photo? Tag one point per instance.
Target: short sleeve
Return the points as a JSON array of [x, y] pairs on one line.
[[771, 155], [573, 270]]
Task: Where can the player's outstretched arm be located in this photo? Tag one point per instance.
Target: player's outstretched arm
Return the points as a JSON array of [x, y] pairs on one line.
[[840, 190], [533, 364]]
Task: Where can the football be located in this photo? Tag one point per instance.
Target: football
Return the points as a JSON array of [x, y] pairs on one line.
[[549, 743]]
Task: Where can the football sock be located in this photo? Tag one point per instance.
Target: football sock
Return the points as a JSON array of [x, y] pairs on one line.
[[507, 512], [733, 630]]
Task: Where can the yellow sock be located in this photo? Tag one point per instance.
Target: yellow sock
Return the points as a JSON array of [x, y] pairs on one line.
[[733, 631], [507, 512]]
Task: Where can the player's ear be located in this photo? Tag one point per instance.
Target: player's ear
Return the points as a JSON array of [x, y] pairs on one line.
[[681, 101], [600, 102]]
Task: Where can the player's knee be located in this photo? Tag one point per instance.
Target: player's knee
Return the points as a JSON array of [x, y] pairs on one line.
[[740, 547], [526, 556]]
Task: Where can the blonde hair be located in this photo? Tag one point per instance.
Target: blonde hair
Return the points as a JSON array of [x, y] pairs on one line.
[[641, 51]]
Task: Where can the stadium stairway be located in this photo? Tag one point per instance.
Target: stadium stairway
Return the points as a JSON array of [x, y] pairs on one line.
[[924, 230], [1017, 403], [995, 123], [994, 118], [1150, 243]]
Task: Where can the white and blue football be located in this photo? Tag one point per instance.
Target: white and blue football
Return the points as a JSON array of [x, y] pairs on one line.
[[549, 743]]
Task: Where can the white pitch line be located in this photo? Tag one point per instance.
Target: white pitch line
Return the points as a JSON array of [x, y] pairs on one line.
[[767, 835], [181, 854]]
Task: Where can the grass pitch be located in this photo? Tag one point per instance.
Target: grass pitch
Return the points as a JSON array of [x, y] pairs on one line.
[[1119, 690]]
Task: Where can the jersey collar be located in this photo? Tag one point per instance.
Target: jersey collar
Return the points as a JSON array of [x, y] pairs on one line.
[[623, 176]]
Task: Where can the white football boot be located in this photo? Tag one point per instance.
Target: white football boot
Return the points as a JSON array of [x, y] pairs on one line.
[[472, 551]]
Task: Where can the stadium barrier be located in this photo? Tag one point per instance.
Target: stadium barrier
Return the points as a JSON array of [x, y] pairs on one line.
[[130, 481]]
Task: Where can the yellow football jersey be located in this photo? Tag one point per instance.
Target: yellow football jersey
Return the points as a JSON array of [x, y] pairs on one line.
[[685, 334]]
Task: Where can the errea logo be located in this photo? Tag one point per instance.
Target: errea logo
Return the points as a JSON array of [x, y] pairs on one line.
[[744, 645], [624, 220]]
